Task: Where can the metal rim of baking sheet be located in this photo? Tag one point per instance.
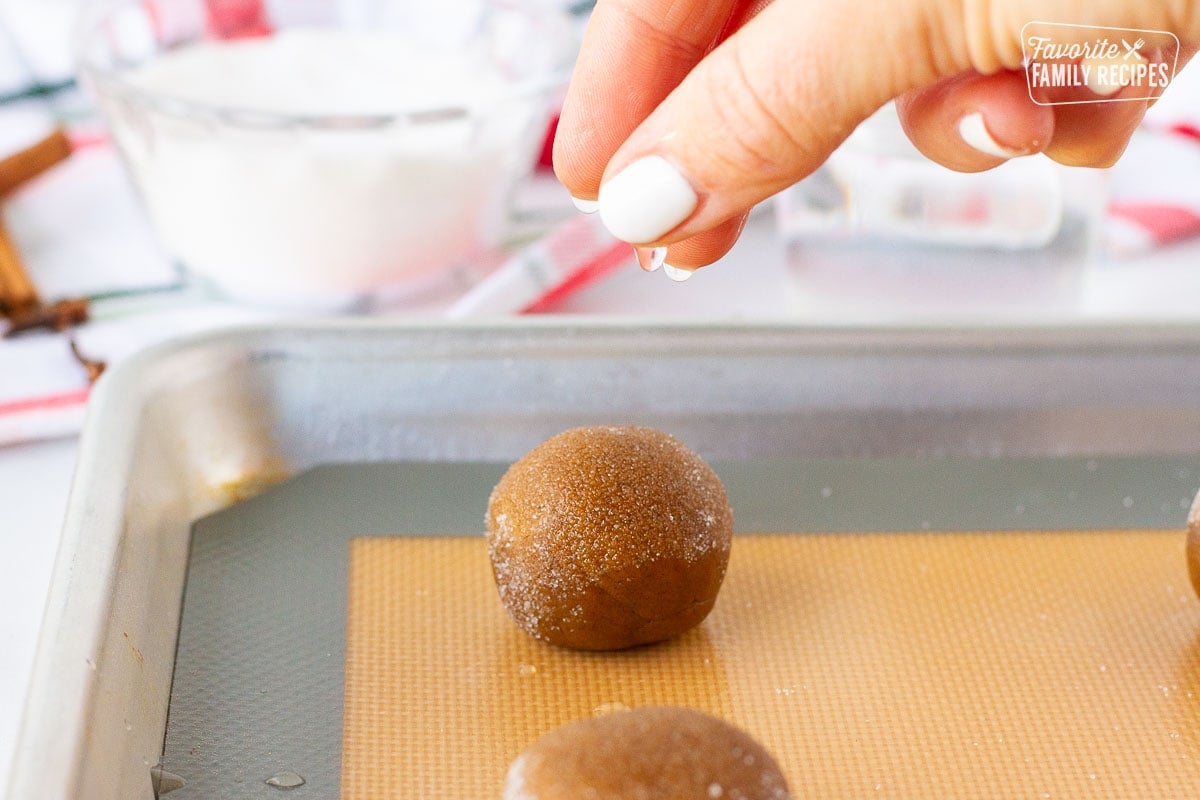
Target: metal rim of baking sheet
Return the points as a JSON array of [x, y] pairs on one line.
[[105, 651]]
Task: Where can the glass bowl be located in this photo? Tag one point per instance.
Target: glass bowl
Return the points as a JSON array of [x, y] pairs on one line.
[[314, 152]]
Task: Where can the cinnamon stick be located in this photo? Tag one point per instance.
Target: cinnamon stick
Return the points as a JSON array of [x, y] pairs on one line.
[[17, 293], [33, 160], [55, 317]]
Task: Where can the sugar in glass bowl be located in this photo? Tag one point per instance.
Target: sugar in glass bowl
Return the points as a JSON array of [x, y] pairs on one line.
[[315, 152]]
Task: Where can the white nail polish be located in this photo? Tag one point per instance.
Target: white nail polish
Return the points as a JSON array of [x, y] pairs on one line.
[[658, 257], [646, 200], [677, 274], [975, 133], [586, 206], [650, 258], [1106, 77]]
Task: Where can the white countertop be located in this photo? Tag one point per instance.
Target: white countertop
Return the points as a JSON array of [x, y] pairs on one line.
[[34, 481]]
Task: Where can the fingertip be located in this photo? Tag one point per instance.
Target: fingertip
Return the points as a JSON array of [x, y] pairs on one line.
[[580, 179], [974, 122], [706, 247], [633, 55], [650, 258], [1094, 134], [973, 130]]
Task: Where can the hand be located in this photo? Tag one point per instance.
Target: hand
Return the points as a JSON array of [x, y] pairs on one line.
[[682, 114]]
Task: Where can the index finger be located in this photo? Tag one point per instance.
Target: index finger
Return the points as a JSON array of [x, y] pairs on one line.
[[634, 53]]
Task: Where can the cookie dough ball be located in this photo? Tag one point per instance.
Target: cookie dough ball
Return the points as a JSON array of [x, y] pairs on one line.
[[1193, 543], [603, 538], [662, 753]]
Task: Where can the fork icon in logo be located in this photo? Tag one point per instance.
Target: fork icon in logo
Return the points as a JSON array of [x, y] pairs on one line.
[[1131, 50]]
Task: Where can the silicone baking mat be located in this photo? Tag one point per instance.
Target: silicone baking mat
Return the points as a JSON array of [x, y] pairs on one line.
[[258, 684], [1054, 664]]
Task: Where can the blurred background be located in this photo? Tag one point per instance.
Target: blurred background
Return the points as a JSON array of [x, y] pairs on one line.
[[169, 166]]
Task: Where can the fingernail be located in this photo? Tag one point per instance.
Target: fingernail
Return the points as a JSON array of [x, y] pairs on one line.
[[586, 206], [677, 274], [975, 133], [1105, 77], [650, 258], [646, 200]]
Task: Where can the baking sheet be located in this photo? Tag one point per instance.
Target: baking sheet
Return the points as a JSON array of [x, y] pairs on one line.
[[186, 428], [259, 672]]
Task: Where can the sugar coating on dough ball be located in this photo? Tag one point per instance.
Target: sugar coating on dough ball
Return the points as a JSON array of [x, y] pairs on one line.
[[662, 753], [603, 538]]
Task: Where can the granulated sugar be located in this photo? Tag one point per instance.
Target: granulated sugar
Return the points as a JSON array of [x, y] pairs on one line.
[[297, 205]]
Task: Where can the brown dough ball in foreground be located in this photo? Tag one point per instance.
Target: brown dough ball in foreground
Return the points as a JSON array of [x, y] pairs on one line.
[[1193, 544], [660, 753], [603, 538]]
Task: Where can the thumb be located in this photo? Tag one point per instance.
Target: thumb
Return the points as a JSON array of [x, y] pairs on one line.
[[763, 110]]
